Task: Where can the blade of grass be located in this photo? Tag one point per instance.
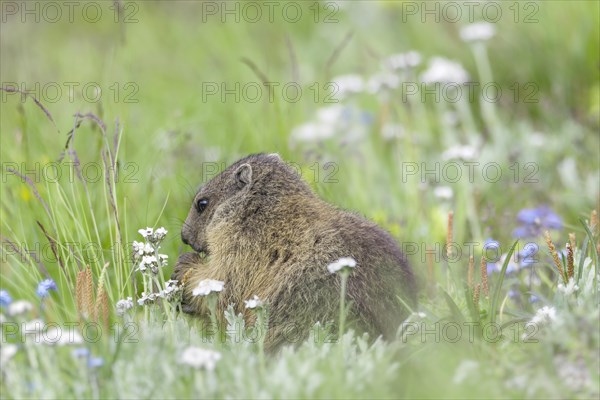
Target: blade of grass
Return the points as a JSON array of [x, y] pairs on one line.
[[456, 313], [498, 286], [582, 258], [590, 236], [471, 304]]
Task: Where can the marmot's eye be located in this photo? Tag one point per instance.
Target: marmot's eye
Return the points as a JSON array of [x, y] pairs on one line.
[[201, 205]]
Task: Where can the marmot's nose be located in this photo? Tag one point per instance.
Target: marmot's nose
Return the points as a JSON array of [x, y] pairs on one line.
[[183, 239]]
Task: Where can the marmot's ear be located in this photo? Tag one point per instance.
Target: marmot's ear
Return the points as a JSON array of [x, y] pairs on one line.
[[243, 175], [275, 156]]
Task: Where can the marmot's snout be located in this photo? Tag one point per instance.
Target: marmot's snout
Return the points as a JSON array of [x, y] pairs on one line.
[[184, 238]]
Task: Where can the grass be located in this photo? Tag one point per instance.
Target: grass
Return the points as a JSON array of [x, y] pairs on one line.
[[155, 135]]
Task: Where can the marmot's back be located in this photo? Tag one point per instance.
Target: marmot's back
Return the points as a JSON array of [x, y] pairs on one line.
[[267, 234]]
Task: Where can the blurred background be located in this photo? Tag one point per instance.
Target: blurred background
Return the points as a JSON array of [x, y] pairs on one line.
[[185, 82], [403, 111]]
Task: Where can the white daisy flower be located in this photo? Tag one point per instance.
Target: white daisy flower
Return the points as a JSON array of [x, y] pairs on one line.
[[460, 152], [442, 70], [383, 81], [19, 307], [7, 351], [340, 264], [254, 302], [208, 286], [443, 192], [330, 115], [312, 132], [61, 337], [33, 326], [479, 31], [197, 357], [406, 60], [347, 85]]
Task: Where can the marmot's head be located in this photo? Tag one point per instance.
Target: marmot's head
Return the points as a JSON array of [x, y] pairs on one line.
[[262, 178]]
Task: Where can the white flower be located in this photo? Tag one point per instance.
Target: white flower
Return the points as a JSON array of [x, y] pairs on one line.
[[330, 115], [544, 316], [172, 291], [382, 81], [340, 264], [537, 139], [138, 248], [479, 31], [406, 60], [124, 305], [197, 357], [60, 337], [347, 84], [141, 249], [19, 307], [208, 286], [569, 288], [392, 131], [160, 234], [147, 299], [146, 233], [442, 70], [443, 192], [7, 351], [254, 302], [312, 132], [465, 371], [33, 326], [460, 152], [149, 263]]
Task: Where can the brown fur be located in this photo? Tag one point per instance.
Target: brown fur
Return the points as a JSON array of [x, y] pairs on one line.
[[265, 233]]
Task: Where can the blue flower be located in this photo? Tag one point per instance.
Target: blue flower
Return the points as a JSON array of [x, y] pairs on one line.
[[44, 287], [80, 352], [491, 251], [5, 298], [95, 362], [528, 256], [92, 362], [533, 298], [512, 266], [535, 220]]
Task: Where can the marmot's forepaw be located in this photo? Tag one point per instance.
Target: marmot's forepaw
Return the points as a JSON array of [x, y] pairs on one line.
[[185, 263]]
